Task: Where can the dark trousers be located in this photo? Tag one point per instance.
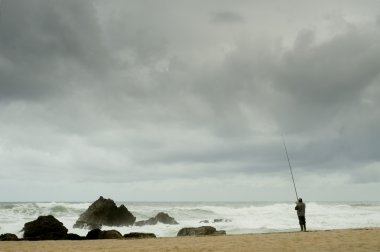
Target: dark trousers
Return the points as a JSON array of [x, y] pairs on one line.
[[302, 222]]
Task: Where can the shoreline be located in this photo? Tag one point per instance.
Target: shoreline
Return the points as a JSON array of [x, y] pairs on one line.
[[355, 239]]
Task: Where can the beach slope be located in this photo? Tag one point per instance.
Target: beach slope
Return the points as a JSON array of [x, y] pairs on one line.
[[331, 240]]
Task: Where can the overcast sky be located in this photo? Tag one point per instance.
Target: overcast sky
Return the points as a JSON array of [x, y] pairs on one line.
[[187, 100]]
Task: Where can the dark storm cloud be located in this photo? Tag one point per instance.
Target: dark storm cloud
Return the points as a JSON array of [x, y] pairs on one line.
[[326, 87], [143, 91], [44, 43]]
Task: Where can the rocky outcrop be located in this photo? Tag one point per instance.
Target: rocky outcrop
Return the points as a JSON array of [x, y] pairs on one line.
[[105, 212], [8, 237], [198, 231], [160, 217], [106, 234], [137, 235], [45, 228]]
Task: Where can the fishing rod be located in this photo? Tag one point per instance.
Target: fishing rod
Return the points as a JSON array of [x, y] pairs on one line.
[[290, 167]]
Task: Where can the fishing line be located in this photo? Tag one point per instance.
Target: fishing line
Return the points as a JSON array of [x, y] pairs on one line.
[[290, 167]]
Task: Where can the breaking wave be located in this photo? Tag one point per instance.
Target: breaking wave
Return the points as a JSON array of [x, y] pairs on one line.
[[234, 217]]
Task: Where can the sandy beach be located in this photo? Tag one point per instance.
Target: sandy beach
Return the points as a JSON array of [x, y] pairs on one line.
[[331, 240]]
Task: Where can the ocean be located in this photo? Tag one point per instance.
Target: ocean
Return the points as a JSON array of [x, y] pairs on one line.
[[233, 217]]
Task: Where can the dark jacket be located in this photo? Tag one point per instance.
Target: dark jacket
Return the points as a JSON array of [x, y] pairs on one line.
[[300, 207]]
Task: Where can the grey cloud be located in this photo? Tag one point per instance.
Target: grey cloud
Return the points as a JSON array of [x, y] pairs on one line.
[[227, 17], [44, 42], [120, 92]]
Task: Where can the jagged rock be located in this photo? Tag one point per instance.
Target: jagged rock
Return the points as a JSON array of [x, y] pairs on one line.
[[106, 234], [137, 235], [204, 230], [45, 228], [105, 212], [160, 217], [8, 237]]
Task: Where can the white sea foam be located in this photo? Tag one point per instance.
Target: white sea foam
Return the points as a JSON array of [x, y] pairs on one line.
[[237, 217]]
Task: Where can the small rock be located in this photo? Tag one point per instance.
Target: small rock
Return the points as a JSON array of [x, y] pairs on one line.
[[8, 237], [74, 237], [106, 234], [93, 234], [160, 217], [137, 235], [110, 234], [221, 220], [204, 230]]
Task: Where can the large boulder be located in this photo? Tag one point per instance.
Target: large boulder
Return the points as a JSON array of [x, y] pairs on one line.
[[198, 231], [160, 217], [137, 235], [104, 212], [99, 234], [45, 228], [8, 237]]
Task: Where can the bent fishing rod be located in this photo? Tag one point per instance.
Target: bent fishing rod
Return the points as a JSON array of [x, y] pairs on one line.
[[290, 167]]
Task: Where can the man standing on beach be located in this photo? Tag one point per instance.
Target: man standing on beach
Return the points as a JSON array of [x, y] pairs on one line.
[[300, 207]]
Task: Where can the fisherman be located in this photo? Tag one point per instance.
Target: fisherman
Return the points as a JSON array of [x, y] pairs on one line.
[[300, 207]]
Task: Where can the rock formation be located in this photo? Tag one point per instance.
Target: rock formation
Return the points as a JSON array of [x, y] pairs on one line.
[[74, 237], [8, 237], [137, 235], [204, 230], [105, 212], [106, 234], [45, 228], [160, 217]]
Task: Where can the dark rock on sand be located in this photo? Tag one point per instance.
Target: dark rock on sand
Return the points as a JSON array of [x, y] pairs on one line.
[[106, 234], [110, 234], [137, 235], [160, 217], [93, 234], [8, 237], [204, 230], [74, 237], [204, 221], [45, 228], [105, 212]]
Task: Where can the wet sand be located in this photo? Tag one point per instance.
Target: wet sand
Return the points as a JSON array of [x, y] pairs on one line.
[[329, 240]]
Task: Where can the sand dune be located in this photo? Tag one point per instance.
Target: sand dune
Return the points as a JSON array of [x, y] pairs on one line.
[[333, 240]]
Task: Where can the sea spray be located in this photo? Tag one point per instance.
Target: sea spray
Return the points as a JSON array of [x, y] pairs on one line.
[[234, 217]]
